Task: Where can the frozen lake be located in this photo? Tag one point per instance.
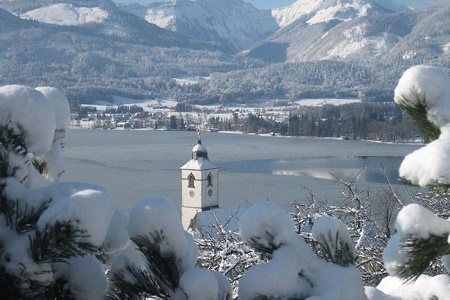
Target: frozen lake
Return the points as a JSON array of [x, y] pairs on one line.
[[134, 165]]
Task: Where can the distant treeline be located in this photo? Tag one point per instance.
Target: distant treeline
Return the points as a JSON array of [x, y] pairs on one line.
[[373, 121]]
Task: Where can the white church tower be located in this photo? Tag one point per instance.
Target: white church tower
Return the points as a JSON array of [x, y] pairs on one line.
[[199, 185]]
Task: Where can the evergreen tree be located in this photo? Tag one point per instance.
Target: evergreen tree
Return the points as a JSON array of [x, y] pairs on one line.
[[422, 236], [47, 237]]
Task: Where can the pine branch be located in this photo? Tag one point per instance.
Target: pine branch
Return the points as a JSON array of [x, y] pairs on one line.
[[4, 164], [341, 253], [8, 207], [255, 243], [420, 253], [21, 220], [415, 105], [144, 286], [12, 141], [13, 287], [59, 242], [39, 164], [164, 268], [27, 219], [58, 290]]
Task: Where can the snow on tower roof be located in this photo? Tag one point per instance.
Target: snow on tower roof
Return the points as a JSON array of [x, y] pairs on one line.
[[199, 158], [201, 163]]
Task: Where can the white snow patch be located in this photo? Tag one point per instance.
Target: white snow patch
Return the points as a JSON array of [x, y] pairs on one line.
[[117, 237], [60, 105], [288, 14], [325, 101], [67, 14], [157, 219], [90, 210], [420, 222], [446, 48], [431, 82], [198, 283], [161, 17], [85, 275], [265, 220], [425, 287], [32, 111]]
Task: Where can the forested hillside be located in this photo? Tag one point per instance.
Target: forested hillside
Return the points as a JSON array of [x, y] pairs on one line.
[[350, 54]]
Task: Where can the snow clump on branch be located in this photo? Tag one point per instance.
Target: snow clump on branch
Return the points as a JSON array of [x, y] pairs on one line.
[[50, 231], [295, 271], [424, 93], [427, 88]]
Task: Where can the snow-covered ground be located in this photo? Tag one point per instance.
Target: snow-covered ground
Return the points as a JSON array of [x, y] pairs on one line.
[[151, 105], [325, 101]]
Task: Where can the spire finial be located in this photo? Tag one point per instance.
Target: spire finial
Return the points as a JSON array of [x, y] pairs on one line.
[[199, 136]]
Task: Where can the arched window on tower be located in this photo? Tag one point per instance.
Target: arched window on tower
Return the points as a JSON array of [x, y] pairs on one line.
[[209, 179], [191, 179]]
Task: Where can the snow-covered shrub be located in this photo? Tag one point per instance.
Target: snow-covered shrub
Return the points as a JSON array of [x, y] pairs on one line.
[[222, 249], [295, 271], [166, 266], [369, 218], [50, 232], [422, 236], [425, 92]]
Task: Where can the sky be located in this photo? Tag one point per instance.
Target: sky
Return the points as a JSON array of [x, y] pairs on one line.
[[263, 4]]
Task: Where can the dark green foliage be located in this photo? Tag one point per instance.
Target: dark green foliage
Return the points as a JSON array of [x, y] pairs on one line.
[[14, 289], [416, 106], [13, 140], [58, 291], [144, 286], [7, 207], [255, 243], [39, 164], [59, 242], [160, 278], [341, 253], [420, 253], [164, 268]]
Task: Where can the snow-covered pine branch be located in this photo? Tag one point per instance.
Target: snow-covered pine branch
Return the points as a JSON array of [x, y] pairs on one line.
[[161, 261], [422, 236], [50, 232], [295, 271]]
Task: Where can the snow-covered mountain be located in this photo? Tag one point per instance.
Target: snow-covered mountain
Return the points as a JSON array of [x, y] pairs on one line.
[[318, 11], [95, 48], [365, 30], [100, 17], [67, 14], [232, 22]]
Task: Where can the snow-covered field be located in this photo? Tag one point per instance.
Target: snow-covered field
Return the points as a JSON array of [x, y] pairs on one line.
[[166, 102]]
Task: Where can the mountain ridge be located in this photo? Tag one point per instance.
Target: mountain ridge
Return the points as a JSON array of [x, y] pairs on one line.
[[233, 22], [123, 54]]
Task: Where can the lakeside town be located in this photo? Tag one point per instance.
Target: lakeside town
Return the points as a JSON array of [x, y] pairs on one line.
[[337, 118]]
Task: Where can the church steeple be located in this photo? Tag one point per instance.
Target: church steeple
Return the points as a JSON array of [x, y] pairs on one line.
[[199, 150], [199, 184]]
